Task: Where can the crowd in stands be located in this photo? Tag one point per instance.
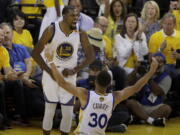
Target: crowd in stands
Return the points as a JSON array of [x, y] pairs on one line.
[[125, 34]]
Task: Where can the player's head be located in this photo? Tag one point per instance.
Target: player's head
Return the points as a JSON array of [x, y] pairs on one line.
[[70, 16], [103, 79]]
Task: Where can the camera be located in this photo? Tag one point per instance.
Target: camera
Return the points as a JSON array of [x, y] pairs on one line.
[[178, 61], [144, 66]]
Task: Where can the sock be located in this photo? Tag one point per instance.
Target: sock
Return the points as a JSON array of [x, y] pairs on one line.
[[150, 120]]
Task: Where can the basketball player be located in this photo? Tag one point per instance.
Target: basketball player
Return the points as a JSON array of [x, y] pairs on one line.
[[64, 40], [97, 106]]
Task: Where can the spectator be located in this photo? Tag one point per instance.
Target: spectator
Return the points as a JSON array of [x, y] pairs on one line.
[[4, 64], [96, 40], [130, 45], [21, 35], [150, 106], [13, 86], [115, 13], [20, 59], [53, 12], [149, 18], [85, 22], [176, 13], [34, 16], [167, 41], [101, 22]]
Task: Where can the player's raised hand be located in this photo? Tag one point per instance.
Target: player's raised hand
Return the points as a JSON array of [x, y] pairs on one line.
[[154, 65]]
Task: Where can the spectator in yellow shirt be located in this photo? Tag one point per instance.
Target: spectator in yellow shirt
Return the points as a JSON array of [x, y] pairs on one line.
[[115, 12], [34, 16], [21, 35], [102, 23], [167, 41], [176, 13]]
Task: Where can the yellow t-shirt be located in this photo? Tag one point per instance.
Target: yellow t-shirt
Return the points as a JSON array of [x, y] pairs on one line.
[[108, 47], [24, 38], [50, 3], [30, 10], [173, 43], [131, 61], [176, 13], [111, 29], [4, 58]]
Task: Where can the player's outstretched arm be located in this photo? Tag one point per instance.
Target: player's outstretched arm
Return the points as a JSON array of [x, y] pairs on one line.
[[79, 92], [88, 50], [129, 91]]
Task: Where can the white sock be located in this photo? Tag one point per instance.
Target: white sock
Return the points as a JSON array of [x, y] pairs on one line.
[[150, 120]]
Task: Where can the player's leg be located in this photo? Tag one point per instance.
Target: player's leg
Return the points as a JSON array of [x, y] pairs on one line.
[[66, 122], [48, 117]]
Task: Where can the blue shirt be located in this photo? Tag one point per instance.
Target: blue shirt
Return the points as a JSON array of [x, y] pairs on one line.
[[18, 54]]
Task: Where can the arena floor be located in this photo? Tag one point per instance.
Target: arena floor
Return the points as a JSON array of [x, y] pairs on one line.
[[172, 128]]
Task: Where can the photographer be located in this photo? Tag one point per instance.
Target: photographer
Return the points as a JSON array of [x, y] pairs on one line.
[[149, 106]]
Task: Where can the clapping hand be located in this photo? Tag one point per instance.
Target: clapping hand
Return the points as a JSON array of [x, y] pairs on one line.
[[163, 45]]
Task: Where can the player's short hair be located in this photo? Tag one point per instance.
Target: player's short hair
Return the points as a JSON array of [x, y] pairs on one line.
[[67, 9], [103, 78]]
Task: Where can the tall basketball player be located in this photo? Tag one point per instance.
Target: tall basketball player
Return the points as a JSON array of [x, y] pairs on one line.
[[97, 106], [63, 39]]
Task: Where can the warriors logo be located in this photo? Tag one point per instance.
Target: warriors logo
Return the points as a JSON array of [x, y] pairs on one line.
[[64, 51], [101, 99]]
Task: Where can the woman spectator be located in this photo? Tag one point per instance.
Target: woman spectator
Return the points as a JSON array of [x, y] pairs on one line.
[[23, 37], [149, 18], [20, 35], [115, 14], [130, 45]]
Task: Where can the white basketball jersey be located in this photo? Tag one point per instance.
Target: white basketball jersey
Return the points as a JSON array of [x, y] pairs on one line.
[[66, 47], [94, 117]]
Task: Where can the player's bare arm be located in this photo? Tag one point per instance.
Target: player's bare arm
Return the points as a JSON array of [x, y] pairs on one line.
[[47, 35], [57, 7], [88, 50], [129, 91]]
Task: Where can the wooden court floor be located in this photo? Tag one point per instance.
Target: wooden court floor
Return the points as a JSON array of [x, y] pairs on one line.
[[172, 128]]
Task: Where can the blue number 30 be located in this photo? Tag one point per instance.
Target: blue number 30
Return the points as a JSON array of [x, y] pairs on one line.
[[100, 121]]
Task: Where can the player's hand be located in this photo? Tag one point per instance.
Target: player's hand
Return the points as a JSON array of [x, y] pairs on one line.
[[163, 45], [154, 65], [49, 54], [66, 72]]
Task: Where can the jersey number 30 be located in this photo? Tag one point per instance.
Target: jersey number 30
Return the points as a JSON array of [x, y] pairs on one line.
[[96, 120]]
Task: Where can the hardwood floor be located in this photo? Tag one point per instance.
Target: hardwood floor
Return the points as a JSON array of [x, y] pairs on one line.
[[172, 128]]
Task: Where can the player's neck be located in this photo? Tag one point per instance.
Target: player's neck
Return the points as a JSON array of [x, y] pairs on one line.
[[100, 91], [65, 29]]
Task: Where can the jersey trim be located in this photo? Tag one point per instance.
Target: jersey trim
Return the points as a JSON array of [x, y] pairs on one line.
[[46, 100], [53, 24], [69, 103], [83, 108]]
